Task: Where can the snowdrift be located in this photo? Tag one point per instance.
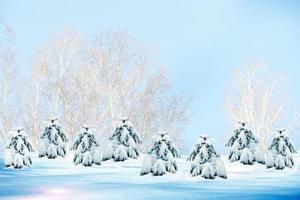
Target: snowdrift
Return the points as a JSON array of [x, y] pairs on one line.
[[61, 179]]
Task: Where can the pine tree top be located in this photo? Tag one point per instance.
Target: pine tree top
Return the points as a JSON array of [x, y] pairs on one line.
[[19, 132], [124, 131], [281, 132], [124, 122], [20, 135], [86, 130], [53, 123], [124, 119], [163, 142], [249, 137], [204, 145], [282, 136], [163, 135], [86, 136], [203, 139], [243, 124]]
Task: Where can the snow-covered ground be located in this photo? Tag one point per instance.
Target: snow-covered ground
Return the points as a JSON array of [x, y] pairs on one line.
[[60, 179]]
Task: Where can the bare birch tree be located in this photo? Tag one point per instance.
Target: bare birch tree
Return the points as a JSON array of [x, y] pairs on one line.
[[7, 76], [258, 97], [98, 81], [6, 32], [36, 97], [62, 51], [133, 84], [7, 80], [49, 80]]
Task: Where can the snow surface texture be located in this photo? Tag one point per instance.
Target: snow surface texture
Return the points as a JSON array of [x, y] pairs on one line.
[[244, 146], [205, 160], [281, 151], [53, 140], [124, 142], [60, 179], [87, 150], [161, 157], [18, 151]]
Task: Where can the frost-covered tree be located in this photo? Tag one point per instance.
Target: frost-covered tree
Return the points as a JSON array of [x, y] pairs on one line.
[[259, 97], [244, 146], [53, 140], [18, 150], [9, 95], [280, 152], [87, 150], [205, 160], [161, 157], [125, 141]]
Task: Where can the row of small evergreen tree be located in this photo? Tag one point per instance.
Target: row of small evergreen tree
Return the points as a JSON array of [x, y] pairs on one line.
[[161, 158], [244, 147], [52, 143], [204, 159]]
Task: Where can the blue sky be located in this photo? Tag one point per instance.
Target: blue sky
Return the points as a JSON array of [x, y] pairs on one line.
[[202, 42]]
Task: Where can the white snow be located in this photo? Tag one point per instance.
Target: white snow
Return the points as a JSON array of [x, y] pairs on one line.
[[270, 159], [120, 153], [97, 156], [61, 179], [42, 147], [159, 168], [247, 157], [87, 159], [8, 159], [51, 152], [18, 161], [208, 171], [147, 165], [279, 162], [107, 150], [220, 168]]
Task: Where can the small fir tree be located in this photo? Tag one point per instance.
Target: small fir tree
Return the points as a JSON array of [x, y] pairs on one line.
[[125, 142], [281, 151], [244, 146], [205, 161], [87, 150], [161, 157], [18, 151], [53, 140]]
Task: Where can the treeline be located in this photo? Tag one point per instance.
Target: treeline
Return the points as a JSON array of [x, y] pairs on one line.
[[95, 81]]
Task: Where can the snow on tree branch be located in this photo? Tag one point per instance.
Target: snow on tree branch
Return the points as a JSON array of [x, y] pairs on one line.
[[18, 151], [244, 146], [161, 157], [205, 160], [281, 150], [86, 147], [53, 140]]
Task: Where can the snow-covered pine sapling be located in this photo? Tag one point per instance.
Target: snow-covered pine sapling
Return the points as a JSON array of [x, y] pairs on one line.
[[18, 150], [53, 140], [280, 152], [205, 161], [125, 141], [244, 146], [161, 157], [87, 150]]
